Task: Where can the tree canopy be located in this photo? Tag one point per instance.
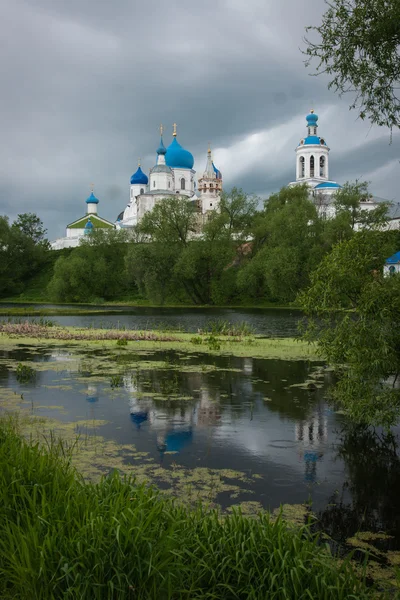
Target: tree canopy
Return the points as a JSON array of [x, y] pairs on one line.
[[353, 313], [358, 46]]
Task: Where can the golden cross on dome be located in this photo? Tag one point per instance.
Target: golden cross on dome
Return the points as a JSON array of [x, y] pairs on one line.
[[174, 134], [138, 162], [209, 148], [161, 129], [92, 187]]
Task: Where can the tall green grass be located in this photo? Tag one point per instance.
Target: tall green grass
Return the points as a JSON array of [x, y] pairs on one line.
[[61, 537]]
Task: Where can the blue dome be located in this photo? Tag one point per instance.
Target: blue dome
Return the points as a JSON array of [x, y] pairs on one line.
[[312, 119], [327, 184], [217, 172], [139, 178], [313, 139], [161, 148], [89, 226], [394, 259], [92, 199], [177, 157]]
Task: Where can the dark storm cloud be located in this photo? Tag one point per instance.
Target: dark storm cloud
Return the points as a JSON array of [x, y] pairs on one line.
[[86, 83]]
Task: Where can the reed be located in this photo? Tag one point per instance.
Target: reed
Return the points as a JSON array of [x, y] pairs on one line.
[[61, 537]]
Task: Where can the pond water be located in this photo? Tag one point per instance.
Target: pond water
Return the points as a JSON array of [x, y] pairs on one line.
[[273, 322], [262, 429]]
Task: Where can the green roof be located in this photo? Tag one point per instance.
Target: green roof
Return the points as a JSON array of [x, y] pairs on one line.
[[97, 221]]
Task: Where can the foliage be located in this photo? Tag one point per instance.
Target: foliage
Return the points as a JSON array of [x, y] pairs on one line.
[[24, 373], [94, 270], [235, 217], [30, 225], [150, 268], [21, 256], [358, 46], [287, 246], [354, 315], [223, 327], [172, 220], [119, 539]]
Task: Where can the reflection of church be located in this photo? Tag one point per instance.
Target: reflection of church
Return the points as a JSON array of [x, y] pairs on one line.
[[173, 425], [312, 434]]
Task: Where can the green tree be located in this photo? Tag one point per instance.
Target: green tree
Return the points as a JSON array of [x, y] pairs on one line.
[[150, 267], [20, 258], [93, 271], [350, 213], [286, 246], [358, 45], [353, 313], [173, 220], [33, 227], [235, 217]]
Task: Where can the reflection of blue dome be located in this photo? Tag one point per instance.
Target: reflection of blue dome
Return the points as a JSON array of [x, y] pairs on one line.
[[92, 199], [327, 184], [312, 119], [139, 417], [139, 178], [177, 157], [175, 441], [92, 399]]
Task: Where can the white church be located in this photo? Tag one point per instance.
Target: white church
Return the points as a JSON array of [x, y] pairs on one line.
[[174, 175]]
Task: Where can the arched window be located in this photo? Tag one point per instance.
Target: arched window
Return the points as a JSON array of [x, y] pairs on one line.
[[154, 184], [302, 167], [311, 166], [211, 186], [183, 183], [141, 190], [322, 166], [169, 184]]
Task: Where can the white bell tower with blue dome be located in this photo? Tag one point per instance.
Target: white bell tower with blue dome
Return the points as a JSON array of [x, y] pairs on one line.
[[312, 166], [312, 155]]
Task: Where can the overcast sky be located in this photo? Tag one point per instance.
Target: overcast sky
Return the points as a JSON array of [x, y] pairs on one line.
[[86, 83]]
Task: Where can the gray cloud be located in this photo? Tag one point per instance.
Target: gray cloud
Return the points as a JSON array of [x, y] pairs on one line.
[[86, 83]]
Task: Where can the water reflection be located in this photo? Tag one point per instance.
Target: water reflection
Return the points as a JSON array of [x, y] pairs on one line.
[[368, 497], [268, 321], [250, 415]]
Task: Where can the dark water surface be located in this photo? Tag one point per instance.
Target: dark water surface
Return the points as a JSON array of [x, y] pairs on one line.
[[228, 413], [275, 322]]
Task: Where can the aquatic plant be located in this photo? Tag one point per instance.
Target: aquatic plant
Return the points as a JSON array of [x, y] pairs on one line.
[[197, 340], [122, 342], [61, 537], [116, 381], [223, 327], [213, 342], [24, 373], [35, 330]]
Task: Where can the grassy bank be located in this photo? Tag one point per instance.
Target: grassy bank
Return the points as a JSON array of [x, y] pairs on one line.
[[11, 335], [61, 537]]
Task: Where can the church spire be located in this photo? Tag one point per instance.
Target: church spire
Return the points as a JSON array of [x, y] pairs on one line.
[[209, 172]]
